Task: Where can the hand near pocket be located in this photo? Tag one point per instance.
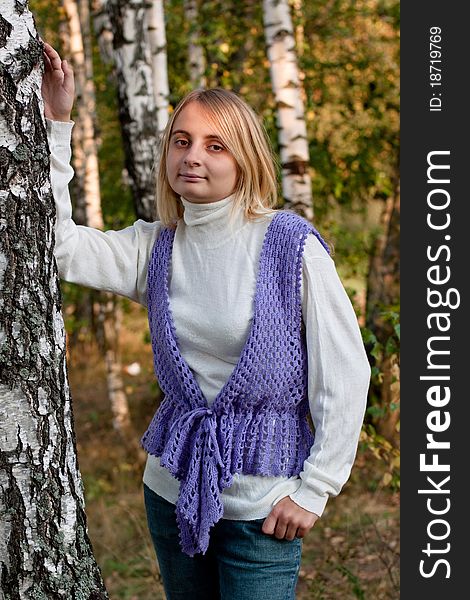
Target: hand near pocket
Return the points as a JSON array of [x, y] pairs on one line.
[[288, 520]]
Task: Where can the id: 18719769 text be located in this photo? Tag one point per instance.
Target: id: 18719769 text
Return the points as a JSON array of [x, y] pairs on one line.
[[435, 68]]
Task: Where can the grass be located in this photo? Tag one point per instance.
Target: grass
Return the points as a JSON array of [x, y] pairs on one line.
[[352, 552]]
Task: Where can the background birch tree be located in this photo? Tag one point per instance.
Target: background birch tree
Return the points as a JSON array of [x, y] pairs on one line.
[[106, 307], [157, 41], [137, 106], [45, 551], [75, 38], [293, 144], [196, 57]]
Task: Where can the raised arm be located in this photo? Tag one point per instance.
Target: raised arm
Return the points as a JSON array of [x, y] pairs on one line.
[[115, 261]]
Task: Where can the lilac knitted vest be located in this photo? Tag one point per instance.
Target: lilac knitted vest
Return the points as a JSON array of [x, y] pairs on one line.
[[257, 423]]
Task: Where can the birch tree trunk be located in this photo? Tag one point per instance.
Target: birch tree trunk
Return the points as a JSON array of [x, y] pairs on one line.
[[157, 39], [106, 308], [45, 551], [137, 108], [296, 181], [197, 60]]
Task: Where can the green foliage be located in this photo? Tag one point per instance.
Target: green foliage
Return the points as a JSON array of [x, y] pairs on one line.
[[352, 240], [386, 454], [371, 441], [391, 346], [350, 62], [48, 14]]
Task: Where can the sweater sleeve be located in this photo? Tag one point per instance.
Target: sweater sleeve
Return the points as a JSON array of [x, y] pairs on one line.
[[114, 261], [338, 379]]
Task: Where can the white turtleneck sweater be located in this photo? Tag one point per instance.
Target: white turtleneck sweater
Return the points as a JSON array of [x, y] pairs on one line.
[[212, 283]]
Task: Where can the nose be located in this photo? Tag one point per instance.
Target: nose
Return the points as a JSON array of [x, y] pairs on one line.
[[193, 155]]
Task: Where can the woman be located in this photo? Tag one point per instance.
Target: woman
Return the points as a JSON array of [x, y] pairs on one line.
[[251, 329]]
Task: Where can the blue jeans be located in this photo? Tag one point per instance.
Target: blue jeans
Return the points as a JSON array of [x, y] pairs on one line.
[[241, 563]]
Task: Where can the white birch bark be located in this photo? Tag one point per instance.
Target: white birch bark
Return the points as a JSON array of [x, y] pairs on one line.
[[157, 40], [44, 547], [293, 143], [197, 60]]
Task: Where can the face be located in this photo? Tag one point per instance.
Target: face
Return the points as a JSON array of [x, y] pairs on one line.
[[199, 167]]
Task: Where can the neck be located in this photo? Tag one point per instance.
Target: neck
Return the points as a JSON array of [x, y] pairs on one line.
[[210, 223]]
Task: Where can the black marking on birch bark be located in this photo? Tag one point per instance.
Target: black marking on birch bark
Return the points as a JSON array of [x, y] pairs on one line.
[[15, 516], [140, 37], [5, 31], [296, 167], [282, 104], [20, 6], [281, 34], [27, 59]]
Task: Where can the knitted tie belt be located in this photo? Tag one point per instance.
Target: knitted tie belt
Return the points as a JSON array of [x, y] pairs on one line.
[[192, 455]]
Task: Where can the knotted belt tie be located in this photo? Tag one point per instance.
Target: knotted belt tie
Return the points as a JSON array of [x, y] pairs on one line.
[[193, 456]]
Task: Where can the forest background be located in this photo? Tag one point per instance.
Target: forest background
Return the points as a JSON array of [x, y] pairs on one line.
[[347, 54]]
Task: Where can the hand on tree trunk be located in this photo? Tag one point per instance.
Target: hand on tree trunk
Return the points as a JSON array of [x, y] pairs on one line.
[[58, 86]]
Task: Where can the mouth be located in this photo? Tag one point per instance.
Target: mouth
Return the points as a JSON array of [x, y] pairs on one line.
[[191, 177]]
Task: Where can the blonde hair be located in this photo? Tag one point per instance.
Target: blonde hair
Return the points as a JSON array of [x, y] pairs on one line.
[[244, 137]]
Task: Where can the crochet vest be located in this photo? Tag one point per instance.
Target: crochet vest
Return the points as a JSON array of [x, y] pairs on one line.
[[257, 423]]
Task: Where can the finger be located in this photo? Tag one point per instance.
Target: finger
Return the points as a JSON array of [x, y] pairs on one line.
[[47, 63], [269, 524], [291, 532], [67, 69], [48, 49], [53, 56], [281, 530]]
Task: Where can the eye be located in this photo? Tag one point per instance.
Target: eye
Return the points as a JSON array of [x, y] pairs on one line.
[[181, 143], [216, 147]]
